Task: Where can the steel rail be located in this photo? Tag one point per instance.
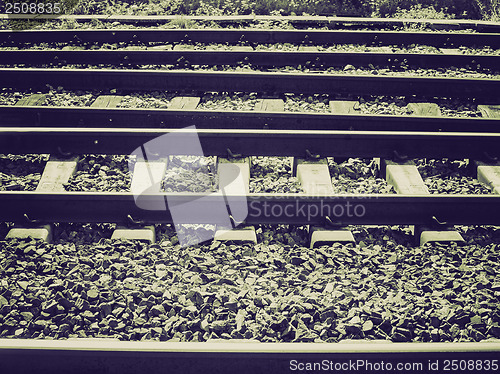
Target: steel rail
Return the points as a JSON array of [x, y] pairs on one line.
[[332, 21], [112, 356], [31, 116], [216, 142], [234, 36], [259, 58], [297, 209], [486, 90]]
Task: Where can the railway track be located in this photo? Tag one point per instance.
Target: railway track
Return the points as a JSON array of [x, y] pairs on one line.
[[318, 60], [172, 47], [234, 136], [482, 89], [309, 37]]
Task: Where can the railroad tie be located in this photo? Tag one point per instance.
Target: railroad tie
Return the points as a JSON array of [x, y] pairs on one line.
[[344, 106], [183, 47], [147, 178], [31, 100], [406, 179], [315, 179], [424, 109], [489, 173], [160, 47], [451, 51], [242, 48], [56, 173], [270, 105], [240, 186], [107, 101], [184, 102], [307, 48], [139, 181]]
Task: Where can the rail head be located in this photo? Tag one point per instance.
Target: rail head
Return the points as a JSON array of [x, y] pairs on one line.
[[111, 356], [299, 209], [251, 142], [251, 35], [246, 346], [331, 20]]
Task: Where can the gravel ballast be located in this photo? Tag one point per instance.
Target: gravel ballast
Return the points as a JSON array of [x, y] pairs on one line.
[[225, 101], [157, 100], [273, 174], [307, 103], [445, 176], [270, 293], [21, 172], [357, 176], [101, 173], [190, 174]]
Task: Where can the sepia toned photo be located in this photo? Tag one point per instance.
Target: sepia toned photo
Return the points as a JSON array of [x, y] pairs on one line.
[[249, 186]]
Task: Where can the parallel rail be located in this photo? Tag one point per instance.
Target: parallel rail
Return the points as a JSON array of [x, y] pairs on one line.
[[235, 36], [485, 90], [111, 356], [89, 117], [217, 142], [296, 209], [257, 58]]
